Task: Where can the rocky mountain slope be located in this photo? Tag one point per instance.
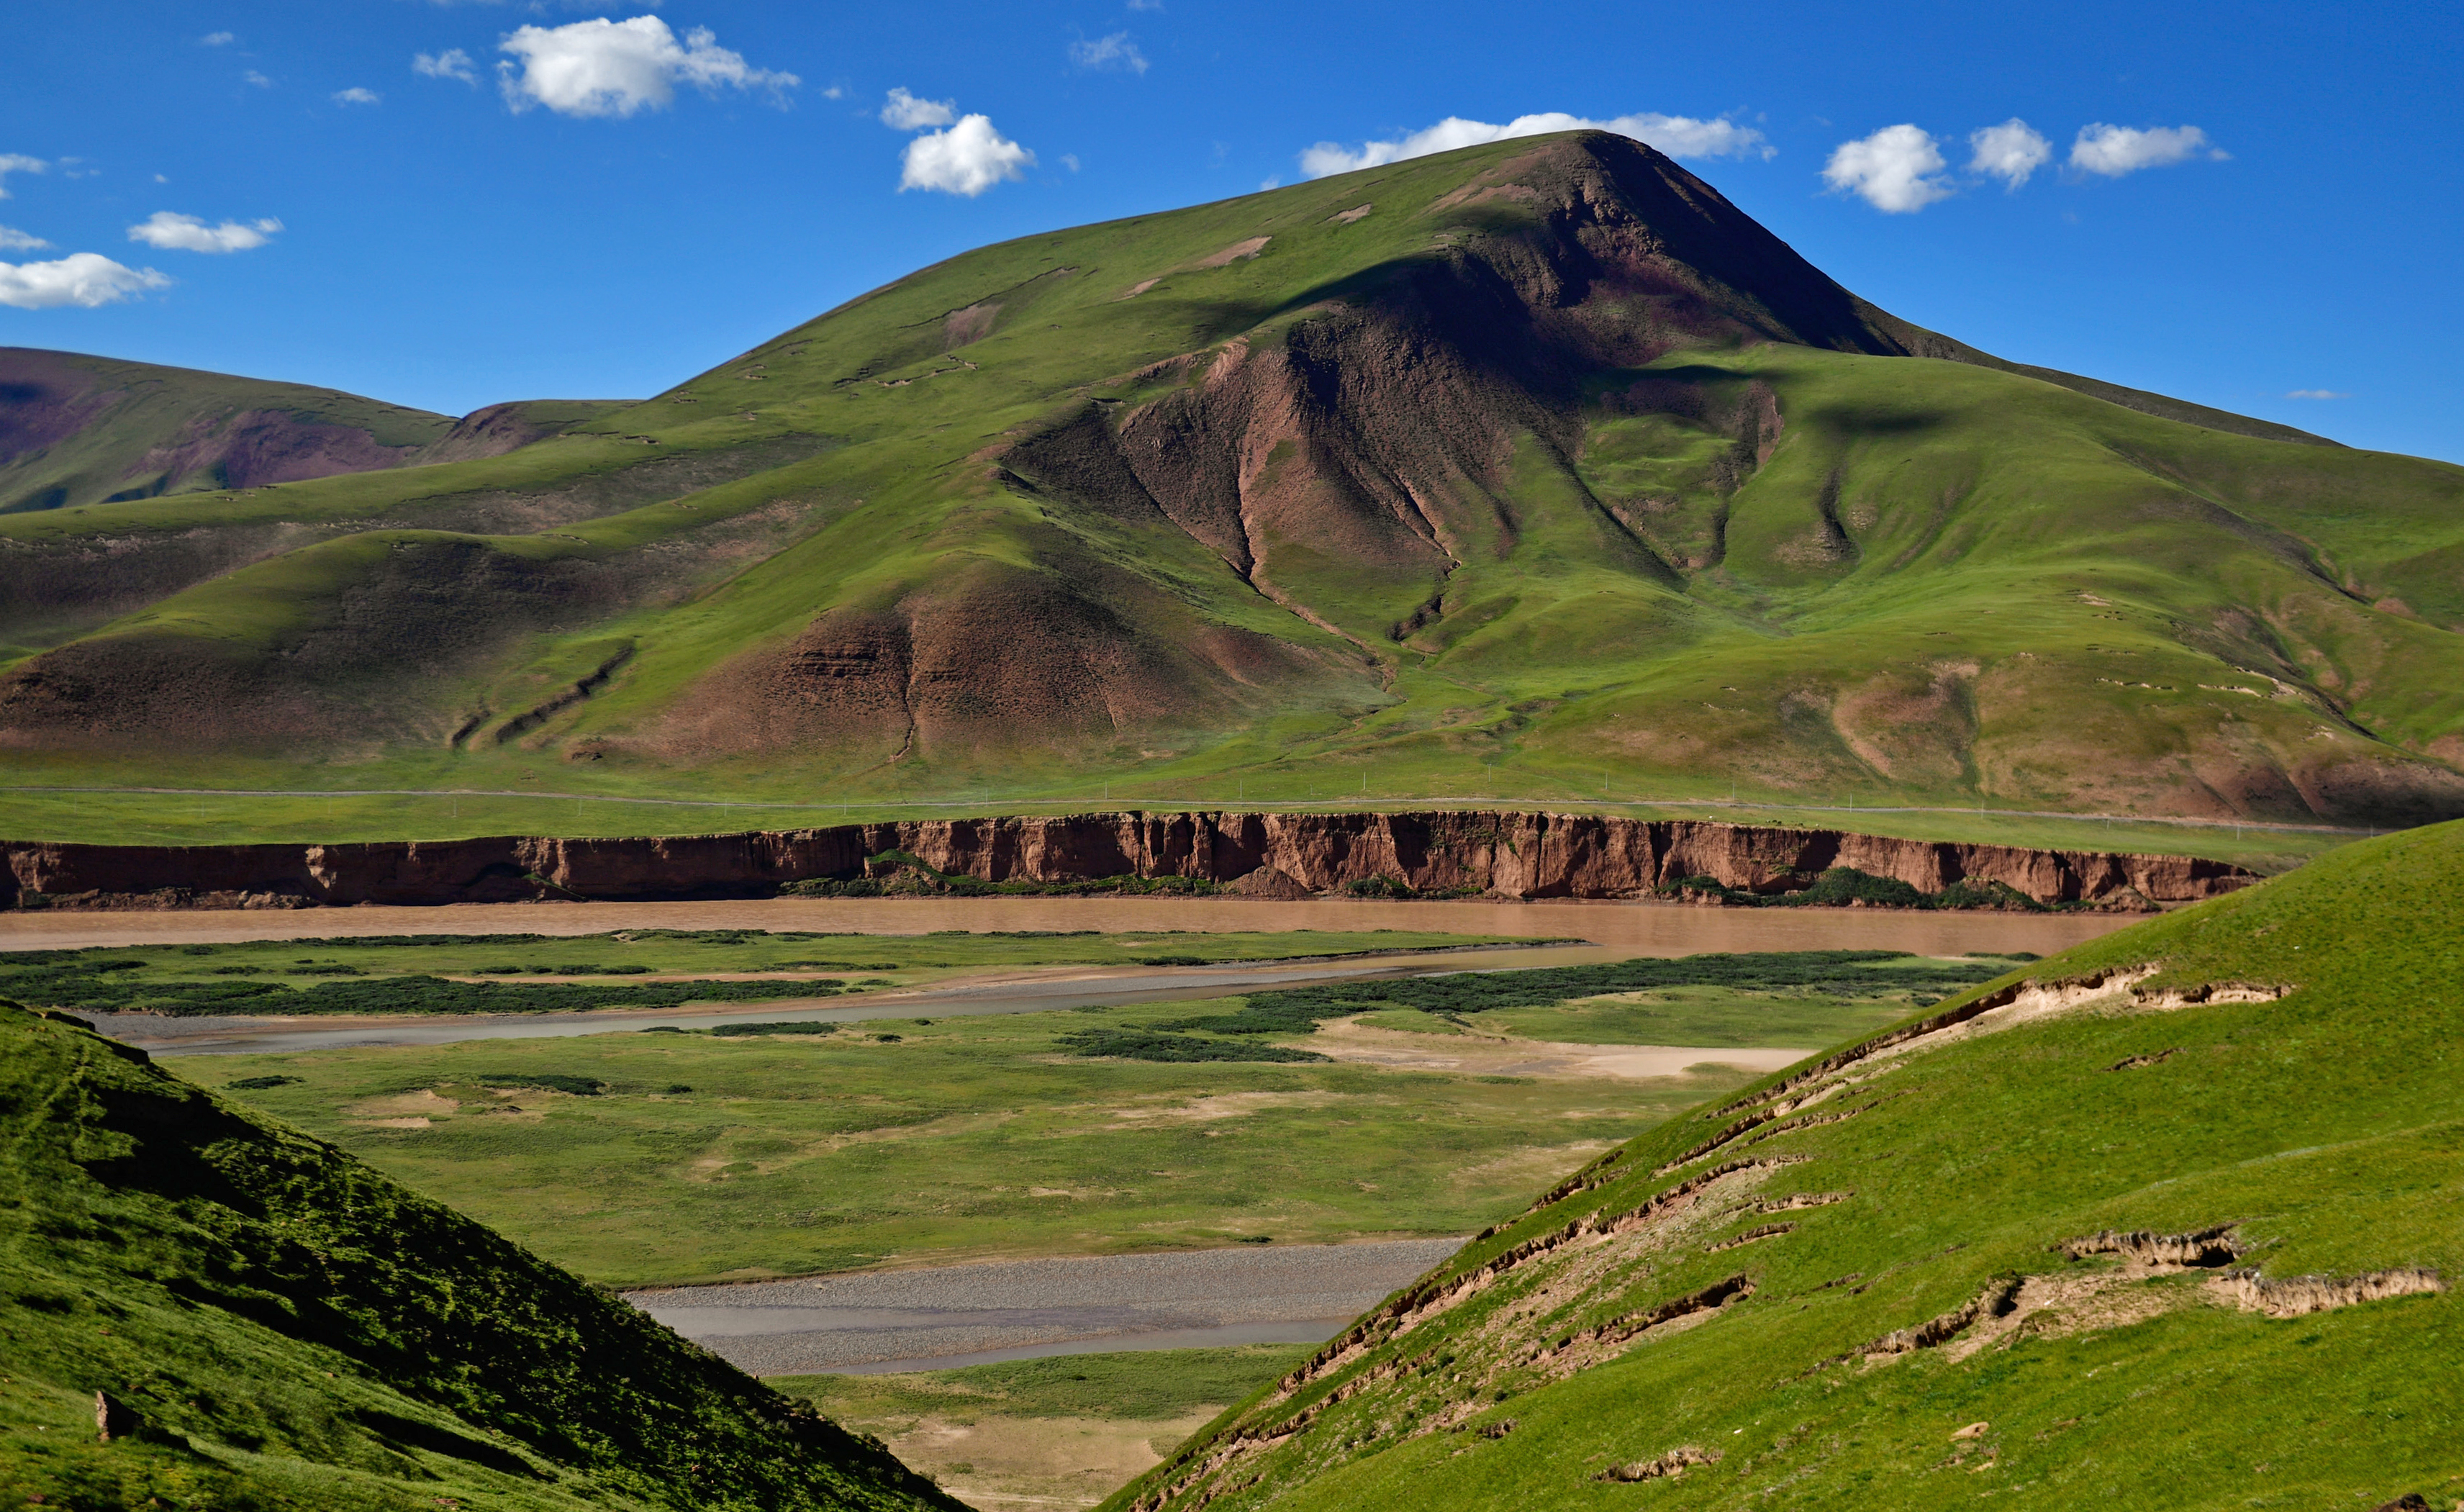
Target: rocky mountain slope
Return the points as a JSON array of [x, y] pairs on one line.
[[202, 1308], [1535, 467], [2168, 1220]]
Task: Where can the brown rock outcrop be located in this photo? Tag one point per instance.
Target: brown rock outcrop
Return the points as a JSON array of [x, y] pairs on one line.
[[1505, 855]]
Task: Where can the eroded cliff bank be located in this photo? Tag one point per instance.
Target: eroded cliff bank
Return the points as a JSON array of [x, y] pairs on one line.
[[1505, 855]]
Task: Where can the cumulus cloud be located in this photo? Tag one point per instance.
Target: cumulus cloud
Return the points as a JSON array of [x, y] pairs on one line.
[[1896, 171], [1070, 160], [85, 279], [2116, 150], [12, 239], [967, 157], [177, 232], [1116, 51], [1678, 136], [356, 96], [2315, 393], [2012, 152], [17, 162], [215, 39], [618, 67], [906, 113], [451, 63]]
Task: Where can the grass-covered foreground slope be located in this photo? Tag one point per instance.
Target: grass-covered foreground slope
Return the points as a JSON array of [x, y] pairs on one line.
[[1534, 468], [2169, 1219], [271, 1325]]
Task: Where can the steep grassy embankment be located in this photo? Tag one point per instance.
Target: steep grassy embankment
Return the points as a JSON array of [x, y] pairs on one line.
[[273, 1324], [2169, 1219], [1535, 468]]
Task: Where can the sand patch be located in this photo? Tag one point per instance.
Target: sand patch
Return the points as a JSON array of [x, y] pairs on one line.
[[996, 1462], [1227, 1105], [1235, 252], [1478, 1054], [418, 1108], [1347, 217]]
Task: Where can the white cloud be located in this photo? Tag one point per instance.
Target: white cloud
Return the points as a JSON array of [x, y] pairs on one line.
[[258, 79], [1070, 160], [356, 96], [215, 39], [966, 159], [2315, 393], [17, 162], [451, 63], [835, 92], [616, 68], [906, 113], [1678, 136], [1116, 51], [1145, 5], [2116, 150], [14, 240], [177, 232], [85, 279], [1264, 184], [2011, 151], [1893, 170]]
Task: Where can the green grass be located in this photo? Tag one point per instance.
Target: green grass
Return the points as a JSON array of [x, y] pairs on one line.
[[2020, 597], [283, 1328], [1145, 1385], [2323, 1126], [705, 1158], [411, 974]]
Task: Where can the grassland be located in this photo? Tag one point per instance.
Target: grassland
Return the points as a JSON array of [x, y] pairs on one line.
[[629, 806], [1921, 582], [271, 1325], [898, 1140], [630, 969], [1949, 1280]]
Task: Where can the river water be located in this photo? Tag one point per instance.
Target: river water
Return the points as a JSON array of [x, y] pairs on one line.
[[1625, 928], [945, 1316]]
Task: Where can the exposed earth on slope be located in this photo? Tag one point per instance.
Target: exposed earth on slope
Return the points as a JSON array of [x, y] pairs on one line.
[[1551, 463]]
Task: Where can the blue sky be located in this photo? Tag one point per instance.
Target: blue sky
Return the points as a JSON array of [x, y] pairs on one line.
[[531, 218]]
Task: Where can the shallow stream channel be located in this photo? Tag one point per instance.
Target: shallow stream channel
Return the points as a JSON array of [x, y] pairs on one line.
[[944, 1316]]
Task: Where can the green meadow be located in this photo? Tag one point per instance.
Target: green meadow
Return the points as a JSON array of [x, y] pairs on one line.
[[650, 1157]]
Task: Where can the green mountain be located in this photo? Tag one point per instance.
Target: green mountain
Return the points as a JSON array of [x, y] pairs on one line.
[[1534, 468], [201, 1308], [2168, 1220], [90, 429]]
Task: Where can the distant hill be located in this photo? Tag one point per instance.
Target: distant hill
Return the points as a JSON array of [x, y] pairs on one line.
[[262, 1321], [89, 429], [1533, 469], [2165, 1220]]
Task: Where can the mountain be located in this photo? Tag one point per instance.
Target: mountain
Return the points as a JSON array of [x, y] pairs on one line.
[[2166, 1220], [1533, 467], [89, 429], [202, 1308]]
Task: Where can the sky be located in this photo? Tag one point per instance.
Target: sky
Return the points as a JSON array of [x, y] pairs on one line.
[[2254, 206]]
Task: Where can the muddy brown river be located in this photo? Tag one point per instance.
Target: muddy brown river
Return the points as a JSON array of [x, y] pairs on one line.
[[1622, 928]]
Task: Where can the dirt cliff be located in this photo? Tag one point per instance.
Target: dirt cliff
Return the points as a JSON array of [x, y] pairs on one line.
[[1503, 855]]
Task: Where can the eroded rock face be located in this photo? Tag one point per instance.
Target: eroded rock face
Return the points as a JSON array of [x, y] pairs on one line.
[[1505, 855]]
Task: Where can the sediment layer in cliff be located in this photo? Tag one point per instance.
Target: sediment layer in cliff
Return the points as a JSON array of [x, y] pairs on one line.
[[1501, 855]]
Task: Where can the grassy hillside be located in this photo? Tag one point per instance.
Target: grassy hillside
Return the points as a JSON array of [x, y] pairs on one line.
[[1531, 469], [276, 1326], [78, 430], [2169, 1219]]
